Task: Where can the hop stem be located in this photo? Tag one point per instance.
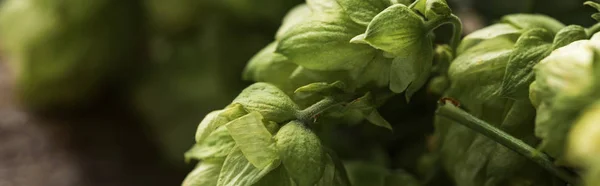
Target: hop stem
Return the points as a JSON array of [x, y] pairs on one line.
[[456, 114], [593, 29], [308, 114], [456, 26]]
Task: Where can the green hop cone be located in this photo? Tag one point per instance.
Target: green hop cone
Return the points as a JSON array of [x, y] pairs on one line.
[[373, 43], [490, 77], [565, 84], [301, 153], [583, 144]]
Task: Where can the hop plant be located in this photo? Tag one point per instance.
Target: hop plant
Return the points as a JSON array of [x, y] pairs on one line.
[[337, 59]]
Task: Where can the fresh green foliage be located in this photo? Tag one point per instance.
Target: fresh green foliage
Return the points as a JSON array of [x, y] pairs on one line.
[[472, 159], [527, 75]]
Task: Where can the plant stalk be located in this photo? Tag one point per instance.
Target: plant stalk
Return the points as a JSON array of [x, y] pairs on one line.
[[456, 28], [592, 30], [309, 113], [460, 116]]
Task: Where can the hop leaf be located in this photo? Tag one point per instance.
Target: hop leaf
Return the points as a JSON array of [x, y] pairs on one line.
[[401, 32], [432, 8], [530, 48], [271, 67], [529, 21], [363, 11], [596, 6], [321, 45]]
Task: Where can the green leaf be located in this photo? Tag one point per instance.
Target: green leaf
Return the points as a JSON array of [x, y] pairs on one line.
[[238, 171], [477, 73], [489, 32], [320, 45], [367, 106], [205, 173], [422, 60], [295, 16], [568, 35], [396, 30], [321, 88], [437, 8], [301, 153], [402, 74], [217, 145], [303, 76], [432, 9], [401, 32], [531, 47], [253, 139], [363, 11], [325, 9], [215, 119], [278, 177], [268, 66], [375, 118], [529, 21], [593, 5], [377, 72], [419, 6], [269, 101]]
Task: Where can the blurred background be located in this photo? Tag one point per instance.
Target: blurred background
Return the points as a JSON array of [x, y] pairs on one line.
[[109, 92]]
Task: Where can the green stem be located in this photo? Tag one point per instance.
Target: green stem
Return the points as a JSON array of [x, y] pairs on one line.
[[456, 28], [592, 30], [309, 113], [456, 114]]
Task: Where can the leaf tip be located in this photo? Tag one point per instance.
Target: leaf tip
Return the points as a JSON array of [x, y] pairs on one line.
[[359, 39]]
